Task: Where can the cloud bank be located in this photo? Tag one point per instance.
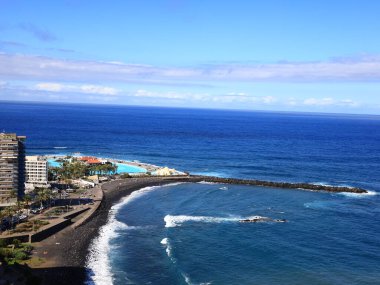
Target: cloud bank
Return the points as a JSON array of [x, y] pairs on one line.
[[27, 67], [87, 89]]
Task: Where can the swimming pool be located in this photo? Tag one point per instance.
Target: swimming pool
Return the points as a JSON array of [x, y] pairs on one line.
[[121, 167], [53, 163], [127, 168]]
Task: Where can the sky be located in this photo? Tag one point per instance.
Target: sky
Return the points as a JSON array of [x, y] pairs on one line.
[[278, 55]]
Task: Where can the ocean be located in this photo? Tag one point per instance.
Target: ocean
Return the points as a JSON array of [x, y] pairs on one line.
[[190, 233]]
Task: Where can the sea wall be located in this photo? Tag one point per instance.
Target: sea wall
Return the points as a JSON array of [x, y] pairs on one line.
[[283, 185], [39, 236], [21, 238]]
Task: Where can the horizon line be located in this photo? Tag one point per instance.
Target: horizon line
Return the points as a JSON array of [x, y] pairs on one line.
[[189, 108]]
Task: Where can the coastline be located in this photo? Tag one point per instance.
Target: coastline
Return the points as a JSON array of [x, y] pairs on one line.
[[67, 251]]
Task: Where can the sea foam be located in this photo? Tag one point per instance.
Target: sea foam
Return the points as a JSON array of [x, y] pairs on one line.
[[359, 195], [169, 252], [98, 264], [164, 241], [176, 221]]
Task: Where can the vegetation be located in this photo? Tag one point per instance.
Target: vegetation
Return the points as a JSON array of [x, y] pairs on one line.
[[14, 252], [56, 211], [42, 195], [29, 226], [125, 175], [74, 169]]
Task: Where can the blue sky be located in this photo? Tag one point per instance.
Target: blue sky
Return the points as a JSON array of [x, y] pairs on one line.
[[318, 56]]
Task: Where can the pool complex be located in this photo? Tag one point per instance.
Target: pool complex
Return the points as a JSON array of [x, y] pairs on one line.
[[127, 168], [53, 163], [121, 167]]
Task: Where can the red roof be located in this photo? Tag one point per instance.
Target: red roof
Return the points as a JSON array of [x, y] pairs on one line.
[[90, 160]]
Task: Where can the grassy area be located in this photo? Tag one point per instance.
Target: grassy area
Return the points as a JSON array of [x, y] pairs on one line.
[[35, 261], [29, 226], [15, 252]]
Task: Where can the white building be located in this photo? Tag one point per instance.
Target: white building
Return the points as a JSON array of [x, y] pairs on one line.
[[36, 171]]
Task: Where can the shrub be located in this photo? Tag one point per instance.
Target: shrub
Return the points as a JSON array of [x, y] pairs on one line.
[[3, 243], [16, 243], [28, 248], [21, 255], [4, 252]]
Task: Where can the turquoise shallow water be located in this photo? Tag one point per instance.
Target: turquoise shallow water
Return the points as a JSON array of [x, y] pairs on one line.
[[126, 168], [53, 163], [121, 167]]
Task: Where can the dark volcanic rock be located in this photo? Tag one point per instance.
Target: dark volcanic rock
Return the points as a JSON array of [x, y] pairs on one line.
[[285, 185]]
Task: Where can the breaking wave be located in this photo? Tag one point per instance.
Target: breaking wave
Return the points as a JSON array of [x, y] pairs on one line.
[[176, 221], [169, 252], [359, 195], [98, 263]]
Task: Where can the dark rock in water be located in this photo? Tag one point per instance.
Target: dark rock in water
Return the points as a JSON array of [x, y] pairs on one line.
[[262, 219], [250, 220], [284, 185]]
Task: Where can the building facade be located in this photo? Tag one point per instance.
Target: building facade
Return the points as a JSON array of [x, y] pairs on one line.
[[12, 168], [36, 170]]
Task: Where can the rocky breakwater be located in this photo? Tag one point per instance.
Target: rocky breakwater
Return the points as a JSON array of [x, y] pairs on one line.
[[284, 185]]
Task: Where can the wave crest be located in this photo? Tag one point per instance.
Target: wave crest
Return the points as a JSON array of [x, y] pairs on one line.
[[176, 221], [98, 263], [359, 195]]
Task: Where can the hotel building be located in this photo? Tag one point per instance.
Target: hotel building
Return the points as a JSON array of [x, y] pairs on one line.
[[36, 170], [12, 168]]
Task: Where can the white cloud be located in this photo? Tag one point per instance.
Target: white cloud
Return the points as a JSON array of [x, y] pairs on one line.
[[268, 99], [349, 103], [231, 97], [234, 94], [88, 89], [330, 102], [96, 89], [36, 68], [52, 87], [291, 101], [166, 95], [319, 102]]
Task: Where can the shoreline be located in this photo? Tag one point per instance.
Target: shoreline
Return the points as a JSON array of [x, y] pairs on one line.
[[66, 252]]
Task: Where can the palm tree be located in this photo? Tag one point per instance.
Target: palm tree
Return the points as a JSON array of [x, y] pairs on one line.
[[27, 199], [9, 212], [2, 216], [42, 196], [13, 194]]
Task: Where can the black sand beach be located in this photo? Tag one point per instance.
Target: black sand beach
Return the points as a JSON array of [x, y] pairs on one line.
[[66, 251]]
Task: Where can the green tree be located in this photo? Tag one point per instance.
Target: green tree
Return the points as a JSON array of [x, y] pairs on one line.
[[2, 216], [43, 195], [26, 200], [9, 212]]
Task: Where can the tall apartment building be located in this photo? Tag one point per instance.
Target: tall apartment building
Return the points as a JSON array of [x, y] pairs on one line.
[[12, 168], [36, 170]]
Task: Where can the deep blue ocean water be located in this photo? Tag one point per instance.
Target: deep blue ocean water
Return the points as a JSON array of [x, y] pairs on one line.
[[189, 233]]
